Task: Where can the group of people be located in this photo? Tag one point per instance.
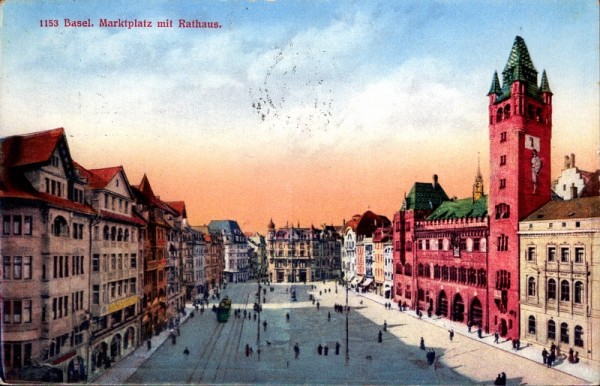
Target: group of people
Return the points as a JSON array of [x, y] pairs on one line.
[[324, 349], [388, 306], [500, 379], [340, 308]]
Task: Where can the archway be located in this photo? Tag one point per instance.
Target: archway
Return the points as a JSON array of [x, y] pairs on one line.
[[442, 304], [502, 327], [458, 308], [76, 370], [476, 312], [115, 347]]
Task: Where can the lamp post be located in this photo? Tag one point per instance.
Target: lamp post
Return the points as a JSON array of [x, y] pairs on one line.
[[347, 312]]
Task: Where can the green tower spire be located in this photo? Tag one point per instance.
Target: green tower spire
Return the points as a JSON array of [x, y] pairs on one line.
[[495, 88]]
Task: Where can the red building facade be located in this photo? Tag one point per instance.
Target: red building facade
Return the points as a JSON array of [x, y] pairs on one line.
[[450, 257]]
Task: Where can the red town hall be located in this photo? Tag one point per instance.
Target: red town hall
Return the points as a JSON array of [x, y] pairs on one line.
[[460, 258]]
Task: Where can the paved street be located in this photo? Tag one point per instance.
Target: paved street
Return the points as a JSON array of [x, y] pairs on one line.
[[217, 351]]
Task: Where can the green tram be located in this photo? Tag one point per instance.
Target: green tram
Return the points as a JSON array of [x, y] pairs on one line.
[[224, 310]]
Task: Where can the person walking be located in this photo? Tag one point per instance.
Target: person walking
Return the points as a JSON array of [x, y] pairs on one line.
[[326, 349], [496, 336], [320, 349], [337, 348], [384, 325], [469, 325], [149, 344], [544, 355], [296, 351], [422, 345], [328, 316], [186, 351], [380, 337], [318, 306], [265, 325], [479, 332], [451, 334]]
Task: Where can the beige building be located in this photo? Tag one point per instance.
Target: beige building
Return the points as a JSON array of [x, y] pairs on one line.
[[45, 251], [299, 255], [117, 269], [560, 276]]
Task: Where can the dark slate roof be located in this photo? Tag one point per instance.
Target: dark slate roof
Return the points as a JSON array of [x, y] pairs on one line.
[[495, 87], [544, 85], [229, 226], [425, 196], [587, 207], [519, 67], [464, 208]]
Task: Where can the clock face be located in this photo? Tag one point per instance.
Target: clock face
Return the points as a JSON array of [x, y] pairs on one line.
[[532, 143]]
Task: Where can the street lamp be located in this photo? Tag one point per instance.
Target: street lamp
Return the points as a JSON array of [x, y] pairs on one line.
[[347, 312]]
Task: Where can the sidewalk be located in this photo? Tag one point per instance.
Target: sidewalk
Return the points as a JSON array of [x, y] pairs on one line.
[[582, 370], [122, 370]]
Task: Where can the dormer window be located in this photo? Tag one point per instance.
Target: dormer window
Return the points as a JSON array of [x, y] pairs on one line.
[[54, 161]]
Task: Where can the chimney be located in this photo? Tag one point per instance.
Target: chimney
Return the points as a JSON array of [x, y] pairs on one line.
[[435, 180], [572, 160]]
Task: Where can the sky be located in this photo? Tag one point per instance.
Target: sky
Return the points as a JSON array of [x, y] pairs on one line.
[[298, 111]]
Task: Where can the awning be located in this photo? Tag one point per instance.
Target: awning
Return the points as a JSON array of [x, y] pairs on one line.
[[349, 278], [367, 282]]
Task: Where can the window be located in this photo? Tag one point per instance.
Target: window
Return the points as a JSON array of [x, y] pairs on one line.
[[531, 286], [564, 254], [502, 160], [16, 225], [502, 243], [502, 183], [578, 338], [27, 267], [28, 225], [551, 330], [95, 294], [476, 245], [17, 267], [60, 227], [27, 311], [579, 256], [503, 136], [530, 254], [96, 262], [551, 254], [565, 291], [551, 289], [133, 263], [531, 325], [564, 333], [6, 268], [6, 225], [578, 294]]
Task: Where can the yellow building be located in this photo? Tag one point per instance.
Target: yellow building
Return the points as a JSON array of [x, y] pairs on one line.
[[560, 273]]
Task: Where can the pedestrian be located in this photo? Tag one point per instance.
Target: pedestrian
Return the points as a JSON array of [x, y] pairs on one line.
[[429, 356], [318, 305], [149, 344], [379, 336], [544, 355], [551, 358], [296, 351], [384, 325], [479, 332], [328, 316], [496, 336], [422, 346], [469, 325], [255, 316], [451, 334], [571, 358], [265, 325], [287, 316], [337, 348], [247, 350], [320, 349], [518, 344], [325, 349], [186, 351]]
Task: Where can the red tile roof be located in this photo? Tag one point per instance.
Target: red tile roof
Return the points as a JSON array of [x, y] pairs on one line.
[[31, 148], [120, 217], [588, 207], [179, 206]]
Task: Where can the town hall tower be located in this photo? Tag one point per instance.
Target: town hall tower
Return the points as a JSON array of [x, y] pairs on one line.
[[520, 130]]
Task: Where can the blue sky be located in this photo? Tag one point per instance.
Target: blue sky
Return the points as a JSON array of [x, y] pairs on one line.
[[346, 89]]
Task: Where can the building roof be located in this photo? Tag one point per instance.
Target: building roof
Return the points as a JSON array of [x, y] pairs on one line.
[[369, 222], [587, 207], [32, 148], [229, 226], [26, 152], [179, 206], [519, 67], [463, 208], [425, 196]]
